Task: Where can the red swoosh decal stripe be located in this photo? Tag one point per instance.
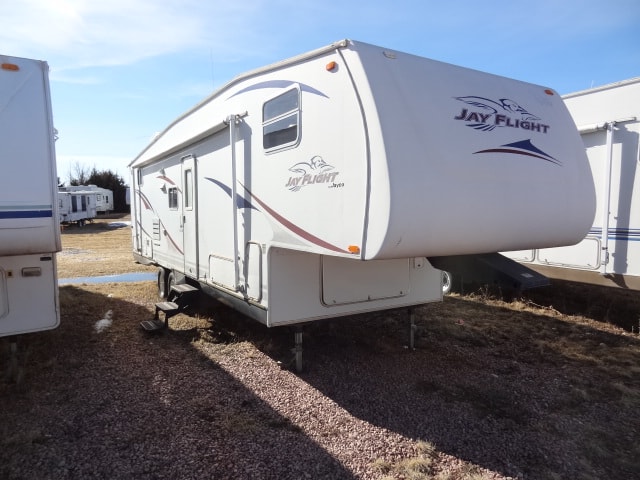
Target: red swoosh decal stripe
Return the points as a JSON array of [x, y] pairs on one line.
[[294, 228]]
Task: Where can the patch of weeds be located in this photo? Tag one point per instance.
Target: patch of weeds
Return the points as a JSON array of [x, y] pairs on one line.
[[416, 468], [420, 467], [382, 466], [426, 449], [467, 471], [239, 422]]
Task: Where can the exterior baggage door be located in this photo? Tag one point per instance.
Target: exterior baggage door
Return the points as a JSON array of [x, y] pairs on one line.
[[189, 220]]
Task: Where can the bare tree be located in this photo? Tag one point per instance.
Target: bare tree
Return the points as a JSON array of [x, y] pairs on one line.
[[78, 174]]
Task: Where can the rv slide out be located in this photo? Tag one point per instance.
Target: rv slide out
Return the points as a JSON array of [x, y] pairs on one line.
[[321, 186], [29, 230], [608, 119]]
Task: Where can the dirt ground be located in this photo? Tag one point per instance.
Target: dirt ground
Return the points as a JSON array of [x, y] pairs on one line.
[[545, 386], [101, 247]]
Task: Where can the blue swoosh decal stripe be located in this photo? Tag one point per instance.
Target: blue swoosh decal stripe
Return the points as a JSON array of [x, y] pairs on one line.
[[279, 84], [241, 202], [523, 147]]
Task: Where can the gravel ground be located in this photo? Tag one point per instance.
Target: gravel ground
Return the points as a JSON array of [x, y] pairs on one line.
[[213, 398]]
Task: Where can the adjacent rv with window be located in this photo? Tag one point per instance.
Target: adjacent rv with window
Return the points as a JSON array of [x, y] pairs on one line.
[[608, 118], [324, 185], [103, 196], [77, 206], [29, 230]]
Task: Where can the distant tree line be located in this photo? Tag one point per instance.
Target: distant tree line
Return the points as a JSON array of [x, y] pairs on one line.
[[80, 175]]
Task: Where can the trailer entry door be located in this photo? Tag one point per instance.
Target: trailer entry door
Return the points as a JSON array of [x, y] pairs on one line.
[[189, 216]]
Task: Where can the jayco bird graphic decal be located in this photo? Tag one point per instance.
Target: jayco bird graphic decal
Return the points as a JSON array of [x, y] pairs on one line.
[[312, 172], [490, 114]]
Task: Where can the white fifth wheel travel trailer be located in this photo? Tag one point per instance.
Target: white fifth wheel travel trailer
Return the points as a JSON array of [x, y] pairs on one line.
[[322, 185], [104, 200], [103, 197], [29, 231], [608, 119], [77, 206]]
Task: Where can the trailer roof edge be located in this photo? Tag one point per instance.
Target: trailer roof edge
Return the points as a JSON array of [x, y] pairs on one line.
[[602, 87], [238, 78]]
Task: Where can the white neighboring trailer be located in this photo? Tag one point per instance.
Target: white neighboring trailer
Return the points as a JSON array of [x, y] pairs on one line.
[[29, 231], [319, 186], [103, 196], [78, 206], [608, 118]]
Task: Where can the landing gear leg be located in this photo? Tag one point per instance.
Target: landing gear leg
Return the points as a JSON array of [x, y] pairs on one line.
[[412, 329], [14, 372], [297, 350]]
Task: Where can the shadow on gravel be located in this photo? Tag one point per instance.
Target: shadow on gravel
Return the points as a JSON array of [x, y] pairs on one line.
[[170, 413], [511, 391]]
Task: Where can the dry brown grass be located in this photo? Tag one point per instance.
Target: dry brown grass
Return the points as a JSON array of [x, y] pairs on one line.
[[97, 249], [552, 365]]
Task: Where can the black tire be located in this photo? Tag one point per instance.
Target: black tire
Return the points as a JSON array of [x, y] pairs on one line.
[[163, 291], [171, 281], [447, 282]]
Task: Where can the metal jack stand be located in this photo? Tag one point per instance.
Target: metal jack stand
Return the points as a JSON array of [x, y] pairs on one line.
[[297, 350], [412, 329], [14, 372]]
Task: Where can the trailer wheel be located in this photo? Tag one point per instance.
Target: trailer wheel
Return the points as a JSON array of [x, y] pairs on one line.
[[162, 283], [447, 282], [171, 281]]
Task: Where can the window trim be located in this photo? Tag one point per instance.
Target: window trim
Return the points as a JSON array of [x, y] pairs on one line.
[[297, 113]]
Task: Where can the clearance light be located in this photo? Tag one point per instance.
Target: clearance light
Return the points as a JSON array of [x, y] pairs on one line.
[[548, 91], [331, 66], [354, 249], [10, 66]]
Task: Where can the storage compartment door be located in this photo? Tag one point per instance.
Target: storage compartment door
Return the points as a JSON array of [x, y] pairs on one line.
[[28, 294], [351, 281]]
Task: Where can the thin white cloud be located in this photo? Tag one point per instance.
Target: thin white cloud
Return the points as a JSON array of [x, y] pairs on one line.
[[84, 33]]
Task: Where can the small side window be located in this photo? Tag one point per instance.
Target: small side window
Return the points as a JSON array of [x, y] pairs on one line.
[[173, 198], [281, 121]]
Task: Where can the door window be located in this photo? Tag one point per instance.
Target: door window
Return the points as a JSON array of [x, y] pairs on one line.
[[188, 189]]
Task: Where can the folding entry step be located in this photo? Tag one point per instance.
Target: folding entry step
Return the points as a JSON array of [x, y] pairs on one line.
[[176, 303]]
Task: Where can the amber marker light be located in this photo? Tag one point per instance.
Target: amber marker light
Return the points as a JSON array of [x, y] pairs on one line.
[[331, 66], [548, 91], [354, 249], [10, 66]]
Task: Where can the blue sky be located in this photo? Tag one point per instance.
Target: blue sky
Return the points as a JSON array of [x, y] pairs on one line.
[[122, 70]]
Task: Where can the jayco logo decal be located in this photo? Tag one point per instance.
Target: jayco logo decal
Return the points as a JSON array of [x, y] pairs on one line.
[[315, 171], [486, 115]]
